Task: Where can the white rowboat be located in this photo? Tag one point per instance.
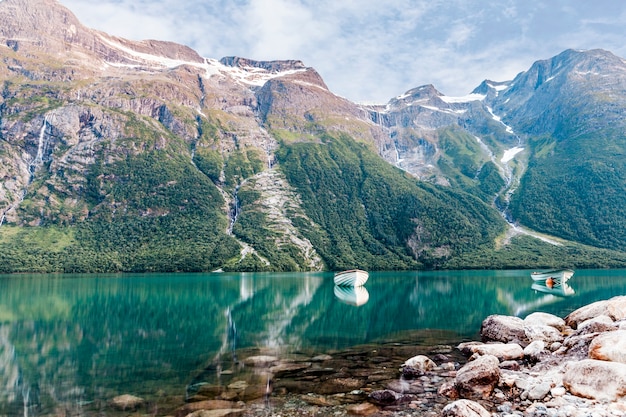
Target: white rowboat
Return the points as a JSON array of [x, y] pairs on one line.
[[351, 278], [558, 275]]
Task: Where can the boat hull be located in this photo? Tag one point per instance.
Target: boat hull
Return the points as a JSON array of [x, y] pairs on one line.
[[351, 278], [560, 275]]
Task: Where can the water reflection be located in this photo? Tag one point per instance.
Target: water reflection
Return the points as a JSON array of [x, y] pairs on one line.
[[77, 341], [554, 291], [560, 290], [354, 296]]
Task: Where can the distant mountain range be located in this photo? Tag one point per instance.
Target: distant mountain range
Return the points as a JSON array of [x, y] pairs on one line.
[[118, 155]]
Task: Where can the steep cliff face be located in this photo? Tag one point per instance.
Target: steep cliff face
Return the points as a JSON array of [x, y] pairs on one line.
[[77, 104]]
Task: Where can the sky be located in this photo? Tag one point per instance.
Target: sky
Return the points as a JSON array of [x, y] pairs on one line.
[[370, 51]]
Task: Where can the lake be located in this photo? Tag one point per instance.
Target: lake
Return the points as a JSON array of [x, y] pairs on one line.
[[76, 340]]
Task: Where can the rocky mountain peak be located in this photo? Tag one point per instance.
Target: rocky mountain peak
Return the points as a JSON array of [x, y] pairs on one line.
[[47, 27], [42, 23], [271, 66], [567, 63]]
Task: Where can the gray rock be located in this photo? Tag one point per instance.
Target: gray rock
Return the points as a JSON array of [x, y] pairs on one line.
[[388, 397], [598, 324], [420, 362], [502, 351], [465, 408], [235, 412], [126, 402], [544, 333], [478, 378], [615, 308], [260, 360], [535, 350], [190, 408], [539, 391], [503, 329], [545, 319], [599, 380], [610, 346]]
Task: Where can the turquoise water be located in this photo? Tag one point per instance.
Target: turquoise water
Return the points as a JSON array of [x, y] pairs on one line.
[[74, 339]]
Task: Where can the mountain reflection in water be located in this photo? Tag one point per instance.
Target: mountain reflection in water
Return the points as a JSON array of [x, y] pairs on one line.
[[71, 341]]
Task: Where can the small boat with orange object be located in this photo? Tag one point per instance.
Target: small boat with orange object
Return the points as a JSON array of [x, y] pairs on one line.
[[552, 276]]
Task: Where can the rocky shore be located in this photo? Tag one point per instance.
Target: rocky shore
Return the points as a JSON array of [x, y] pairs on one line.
[[541, 365]]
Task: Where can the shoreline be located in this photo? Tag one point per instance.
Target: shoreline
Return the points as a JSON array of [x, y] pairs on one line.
[[542, 365]]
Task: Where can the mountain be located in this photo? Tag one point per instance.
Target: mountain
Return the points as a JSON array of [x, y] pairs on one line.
[[119, 155]]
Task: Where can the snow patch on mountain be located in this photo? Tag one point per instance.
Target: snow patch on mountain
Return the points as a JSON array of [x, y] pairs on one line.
[[497, 118], [463, 99], [498, 87], [249, 75], [142, 58], [256, 76], [510, 154], [449, 111]]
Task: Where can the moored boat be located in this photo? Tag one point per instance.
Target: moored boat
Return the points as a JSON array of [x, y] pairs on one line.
[[351, 278], [555, 275]]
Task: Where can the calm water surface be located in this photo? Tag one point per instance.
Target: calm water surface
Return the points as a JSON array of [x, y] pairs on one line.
[[68, 340]]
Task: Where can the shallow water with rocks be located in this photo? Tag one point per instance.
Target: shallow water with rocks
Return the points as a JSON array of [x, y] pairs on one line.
[[542, 365]]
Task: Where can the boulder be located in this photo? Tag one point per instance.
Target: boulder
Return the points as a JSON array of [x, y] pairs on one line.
[[578, 346], [610, 346], [388, 397], [544, 333], [505, 329], [283, 369], [535, 350], [189, 408], [502, 351], [420, 362], [598, 380], [539, 391], [466, 347], [545, 319], [126, 402], [417, 366], [404, 386], [615, 308], [235, 412], [363, 409], [260, 361], [338, 384], [479, 377], [319, 400], [465, 408], [448, 389], [598, 324]]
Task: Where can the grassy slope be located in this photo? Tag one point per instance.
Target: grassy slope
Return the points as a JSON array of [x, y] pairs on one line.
[[374, 216], [576, 189]]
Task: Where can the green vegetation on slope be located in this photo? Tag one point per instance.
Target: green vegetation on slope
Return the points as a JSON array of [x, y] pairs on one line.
[[525, 252], [169, 215], [576, 189], [374, 216], [149, 212]]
